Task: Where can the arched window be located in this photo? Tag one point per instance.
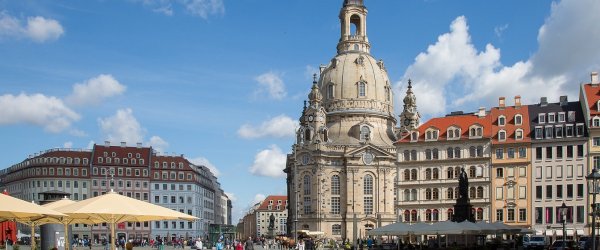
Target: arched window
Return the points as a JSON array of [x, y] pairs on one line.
[[479, 131], [435, 215], [472, 191], [413, 175], [518, 119], [407, 175], [307, 134], [479, 215], [364, 133], [450, 213], [450, 173], [501, 120], [472, 132], [450, 153], [330, 89], [456, 152], [596, 122], [428, 194], [362, 89], [435, 194], [406, 155], [413, 155], [428, 154], [325, 135], [413, 195], [428, 215], [413, 216], [502, 135], [472, 172], [456, 172], [406, 195], [428, 174], [479, 192], [428, 135], [335, 185], [406, 215], [450, 193], [479, 171], [472, 151], [457, 133], [450, 133], [368, 184], [435, 174], [435, 154], [307, 185], [479, 151]]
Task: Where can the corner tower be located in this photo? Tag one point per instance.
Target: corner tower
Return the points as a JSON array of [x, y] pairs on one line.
[[341, 173]]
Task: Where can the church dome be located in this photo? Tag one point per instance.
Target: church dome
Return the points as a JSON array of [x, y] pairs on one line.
[[355, 81]]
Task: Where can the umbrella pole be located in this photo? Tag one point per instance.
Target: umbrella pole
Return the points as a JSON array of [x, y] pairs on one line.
[[112, 233], [67, 243], [32, 236]]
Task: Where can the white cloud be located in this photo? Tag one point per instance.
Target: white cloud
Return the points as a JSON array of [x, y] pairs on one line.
[[68, 144], [279, 126], [269, 162], [204, 8], [258, 198], [37, 109], [453, 68], [78, 133], [158, 143], [500, 29], [231, 196], [271, 84], [38, 29], [166, 9], [205, 162], [95, 90], [122, 127]]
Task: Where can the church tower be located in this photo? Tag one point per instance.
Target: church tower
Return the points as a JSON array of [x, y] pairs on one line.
[[341, 173], [410, 117]]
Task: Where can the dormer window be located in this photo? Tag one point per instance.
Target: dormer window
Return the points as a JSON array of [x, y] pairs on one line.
[[501, 120], [542, 118], [596, 122], [551, 118], [561, 117], [475, 131], [502, 135], [453, 133], [431, 134], [519, 134], [518, 119], [414, 136], [330, 90]]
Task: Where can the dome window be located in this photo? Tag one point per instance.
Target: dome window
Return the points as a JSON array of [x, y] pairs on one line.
[[362, 88], [330, 90], [365, 133]]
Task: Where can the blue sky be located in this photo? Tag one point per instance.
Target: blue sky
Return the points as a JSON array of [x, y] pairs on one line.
[[223, 81]]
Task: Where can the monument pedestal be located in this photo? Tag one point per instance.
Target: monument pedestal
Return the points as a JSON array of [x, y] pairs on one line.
[[463, 210]]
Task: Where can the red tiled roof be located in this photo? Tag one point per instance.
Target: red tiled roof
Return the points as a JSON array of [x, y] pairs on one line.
[[592, 94], [510, 127], [121, 152], [265, 204], [168, 159], [443, 123]]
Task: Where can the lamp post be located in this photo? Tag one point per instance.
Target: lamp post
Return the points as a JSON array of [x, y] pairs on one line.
[[592, 181], [563, 214]]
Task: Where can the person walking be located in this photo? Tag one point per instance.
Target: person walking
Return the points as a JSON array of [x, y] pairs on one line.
[[198, 244], [238, 245], [249, 245], [219, 245]]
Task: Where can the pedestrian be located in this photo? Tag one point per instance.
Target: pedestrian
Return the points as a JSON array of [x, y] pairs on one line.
[[199, 244], [249, 245], [238, 245], [129, 245], [219, 245]]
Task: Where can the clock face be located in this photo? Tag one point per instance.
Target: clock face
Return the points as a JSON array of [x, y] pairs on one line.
[[406, 122], [310, 118], [368, 158]]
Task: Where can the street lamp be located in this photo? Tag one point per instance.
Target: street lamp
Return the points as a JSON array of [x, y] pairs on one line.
[[563, 212], [592, 181]]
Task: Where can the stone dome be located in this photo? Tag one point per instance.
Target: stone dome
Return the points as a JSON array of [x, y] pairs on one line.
[[356, 82]]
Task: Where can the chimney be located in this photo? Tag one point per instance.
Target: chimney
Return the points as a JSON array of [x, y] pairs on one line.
[[481, 112], [517, 101], [107, 143], [139, 145], [501, 102], [123, 144], [564, 100], [543, 101], [594, 77]]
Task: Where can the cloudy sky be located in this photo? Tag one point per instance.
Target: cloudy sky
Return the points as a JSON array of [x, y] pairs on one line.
[[223, 81]]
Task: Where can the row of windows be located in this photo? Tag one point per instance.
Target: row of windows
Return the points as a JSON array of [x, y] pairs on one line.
[[362, 90], [549, 215], [558, 131], [551, 117], [510, 171], [452, 133], [59, 171], [165, 164], [109, 160], [511, 192], [165, 225], [112, 183], [173, 187], [434, 193], [510, 153], [129, 155], [502, 136], [559, 189], [558, 172], [434, 173], [518, 120], [434, 154], [173, 176], [120, 172], [59, 183], [60, 160], [434, 215], [173, 200], [558, 152], [137, 195], [510, 214]]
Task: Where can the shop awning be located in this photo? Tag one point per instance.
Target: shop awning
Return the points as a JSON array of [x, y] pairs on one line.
[[580, 232], [570, 232], [558, 232], [539, 231]]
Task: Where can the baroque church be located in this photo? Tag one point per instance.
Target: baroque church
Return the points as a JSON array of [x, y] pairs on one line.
[[341, 174]]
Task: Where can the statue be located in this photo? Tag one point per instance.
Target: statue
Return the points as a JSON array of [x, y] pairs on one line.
[[272, 222], [463, 184]]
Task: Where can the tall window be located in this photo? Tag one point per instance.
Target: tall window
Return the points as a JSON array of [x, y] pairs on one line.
[[336, 229], [364, 133], [330, 89], [307, 205], [368, 185], [307, 185], [335, 185], [368, 203], [335, 205], [362, 89]]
